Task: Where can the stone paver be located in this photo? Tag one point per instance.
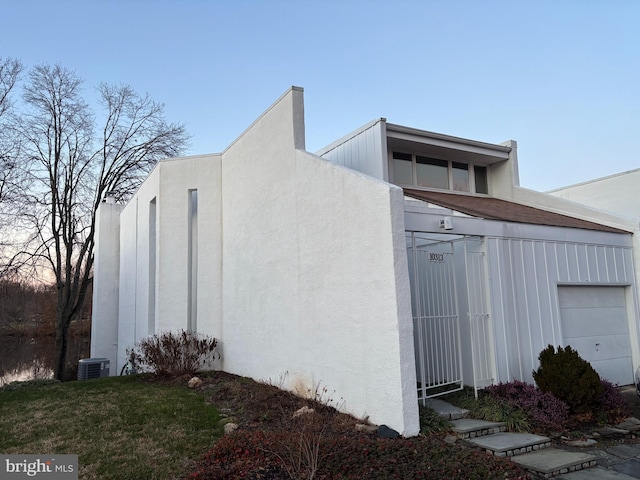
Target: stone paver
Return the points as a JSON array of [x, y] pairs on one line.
[[595, 474], [471, 428], [630, 468], [509, 444], [625, 451], [445, 409], [584, 460], [552, 461]]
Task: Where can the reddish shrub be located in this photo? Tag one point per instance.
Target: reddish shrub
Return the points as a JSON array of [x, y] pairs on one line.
[[612, 406], [545, 411], [241, 455]]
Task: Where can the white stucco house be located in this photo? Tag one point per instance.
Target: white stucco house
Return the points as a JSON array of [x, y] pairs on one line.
[[388, 267]]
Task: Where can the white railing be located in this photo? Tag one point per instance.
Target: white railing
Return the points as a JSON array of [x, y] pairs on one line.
[[437, 349]]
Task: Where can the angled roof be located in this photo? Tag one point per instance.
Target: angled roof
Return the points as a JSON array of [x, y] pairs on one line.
[[492, 208]]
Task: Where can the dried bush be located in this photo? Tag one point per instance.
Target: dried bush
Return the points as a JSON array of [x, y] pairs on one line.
[[568, 377], [544, 411], [172, 354], [245, 455], [306, 446]]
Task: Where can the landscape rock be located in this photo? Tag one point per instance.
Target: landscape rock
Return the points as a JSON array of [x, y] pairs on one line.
[[227, 420], [450, 439], [371, 429], [612, 432], [632, 424], [387, 432], [230, 428], [195, 382], [303, 411], [589, 442]]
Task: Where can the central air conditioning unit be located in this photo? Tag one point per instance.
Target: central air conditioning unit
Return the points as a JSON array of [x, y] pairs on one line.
[[93, 368]]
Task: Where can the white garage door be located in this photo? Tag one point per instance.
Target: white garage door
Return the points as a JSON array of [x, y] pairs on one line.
[[594, 322]]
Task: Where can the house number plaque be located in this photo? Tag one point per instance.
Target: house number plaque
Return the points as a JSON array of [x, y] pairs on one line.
[[436, 257]]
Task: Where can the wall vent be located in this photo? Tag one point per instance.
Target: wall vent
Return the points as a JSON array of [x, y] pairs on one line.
[[93, 368]]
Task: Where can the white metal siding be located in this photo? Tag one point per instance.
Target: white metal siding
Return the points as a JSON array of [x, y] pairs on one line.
[[362, 152], [594, 322], [524, 275]]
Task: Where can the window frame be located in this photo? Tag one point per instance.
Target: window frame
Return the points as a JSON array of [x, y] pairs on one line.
[[471, 169]]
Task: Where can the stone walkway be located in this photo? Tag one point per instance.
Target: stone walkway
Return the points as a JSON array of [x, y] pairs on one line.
[[616, 457], [621, 461]]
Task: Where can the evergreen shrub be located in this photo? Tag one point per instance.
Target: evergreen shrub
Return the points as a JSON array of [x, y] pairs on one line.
[[568, 377]]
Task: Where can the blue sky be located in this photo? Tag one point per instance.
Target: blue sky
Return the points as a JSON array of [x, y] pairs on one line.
[[561, 77]]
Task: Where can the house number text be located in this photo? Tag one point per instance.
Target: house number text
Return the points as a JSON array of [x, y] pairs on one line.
[[436, 257]]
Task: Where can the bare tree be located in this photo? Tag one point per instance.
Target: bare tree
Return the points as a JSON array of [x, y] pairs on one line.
[[10, 69], [70, 169]]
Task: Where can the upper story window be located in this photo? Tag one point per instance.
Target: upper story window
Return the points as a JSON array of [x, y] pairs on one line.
[[421, 171]]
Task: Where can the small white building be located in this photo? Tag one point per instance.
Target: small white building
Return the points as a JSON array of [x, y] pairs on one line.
[[388, 267], [615, 193]]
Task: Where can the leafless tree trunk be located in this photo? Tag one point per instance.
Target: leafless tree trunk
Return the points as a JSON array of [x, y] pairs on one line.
[[10, 69], [69, 170]]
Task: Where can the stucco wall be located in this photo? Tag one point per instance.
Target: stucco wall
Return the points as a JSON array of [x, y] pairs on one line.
[[144, 310], [134, 268], [314, 273], [104, 324], [178, 177], [301, 268]]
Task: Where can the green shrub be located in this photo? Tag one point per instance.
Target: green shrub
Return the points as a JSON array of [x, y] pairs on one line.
[[499, 410], [567, 376], [432, 422], [490, 408], [172, 354]]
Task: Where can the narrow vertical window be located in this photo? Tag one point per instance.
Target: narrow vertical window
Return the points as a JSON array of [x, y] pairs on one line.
[[402, 168], [151, 326], [193, 261], [460, 176], [480, 175]]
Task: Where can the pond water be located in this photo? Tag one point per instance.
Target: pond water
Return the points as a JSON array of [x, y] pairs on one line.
[[23, 358]]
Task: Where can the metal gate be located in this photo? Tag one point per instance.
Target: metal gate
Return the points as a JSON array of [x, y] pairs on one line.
[[436, 276], [436, 323], [480, 329]]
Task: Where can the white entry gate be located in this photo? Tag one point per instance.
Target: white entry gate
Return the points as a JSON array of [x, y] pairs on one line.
[[447, 276]]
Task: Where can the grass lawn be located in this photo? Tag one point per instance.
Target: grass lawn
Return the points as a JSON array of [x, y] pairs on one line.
[[120, 427], [142, 428]]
